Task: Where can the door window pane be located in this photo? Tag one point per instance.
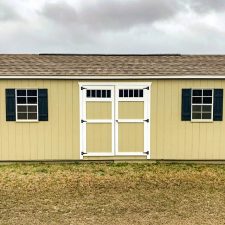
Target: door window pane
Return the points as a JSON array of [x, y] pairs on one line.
[[88, 93], [131, 93], [140, 93], [104, 93], [108, 93], [120, 93], [98, 93], [136, 93]]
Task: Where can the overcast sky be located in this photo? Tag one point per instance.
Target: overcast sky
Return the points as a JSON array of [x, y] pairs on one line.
[[112, 26]]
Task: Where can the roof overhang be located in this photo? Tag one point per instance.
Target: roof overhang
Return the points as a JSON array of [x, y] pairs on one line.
[[131, 77]]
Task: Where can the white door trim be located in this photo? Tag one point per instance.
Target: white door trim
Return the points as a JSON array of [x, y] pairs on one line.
[[82, 96]]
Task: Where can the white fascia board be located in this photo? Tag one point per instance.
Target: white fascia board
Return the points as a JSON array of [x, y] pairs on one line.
[[121, 77]]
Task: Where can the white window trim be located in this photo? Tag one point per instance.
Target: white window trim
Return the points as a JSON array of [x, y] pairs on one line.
[[28, 120], [202, 120]]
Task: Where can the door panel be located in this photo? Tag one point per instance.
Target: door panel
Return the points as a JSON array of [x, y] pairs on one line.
[[131, 137], [97, 120], [99, 110], [131, 110], [99, 138], [132, 120]]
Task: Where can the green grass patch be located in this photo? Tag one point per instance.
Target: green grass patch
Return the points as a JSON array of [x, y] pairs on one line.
[[122, 193]]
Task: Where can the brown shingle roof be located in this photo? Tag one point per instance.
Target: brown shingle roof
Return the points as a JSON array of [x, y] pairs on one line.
[[110, 65]]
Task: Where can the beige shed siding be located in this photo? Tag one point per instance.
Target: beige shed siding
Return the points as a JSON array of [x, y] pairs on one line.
[[172, 138], [58, 138]]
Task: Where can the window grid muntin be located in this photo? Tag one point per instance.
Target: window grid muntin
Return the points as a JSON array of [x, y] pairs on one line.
[[204, 115], [29, 114], [131, 93], [98, 93]]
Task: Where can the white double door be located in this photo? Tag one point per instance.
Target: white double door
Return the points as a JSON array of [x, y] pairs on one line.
[[115, 120]]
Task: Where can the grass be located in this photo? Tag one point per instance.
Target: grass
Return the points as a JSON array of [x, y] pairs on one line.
[[112, 194]]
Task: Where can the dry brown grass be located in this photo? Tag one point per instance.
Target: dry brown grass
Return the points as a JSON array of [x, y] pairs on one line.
[[112, 194]]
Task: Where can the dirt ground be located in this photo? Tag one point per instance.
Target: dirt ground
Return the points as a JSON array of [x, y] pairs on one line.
[[112, 194]]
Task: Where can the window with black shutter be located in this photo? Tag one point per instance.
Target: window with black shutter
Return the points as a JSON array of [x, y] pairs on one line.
[[202, 105], [26, 104]]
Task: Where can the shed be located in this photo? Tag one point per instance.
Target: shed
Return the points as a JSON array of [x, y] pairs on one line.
[[111, 107]]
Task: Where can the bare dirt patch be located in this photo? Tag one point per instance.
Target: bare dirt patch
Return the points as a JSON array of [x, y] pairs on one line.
[[112, 194]]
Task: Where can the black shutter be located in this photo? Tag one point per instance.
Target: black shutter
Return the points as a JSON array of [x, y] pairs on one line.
[[218, 105], [43, 104], [10, 105], [186, 105]]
